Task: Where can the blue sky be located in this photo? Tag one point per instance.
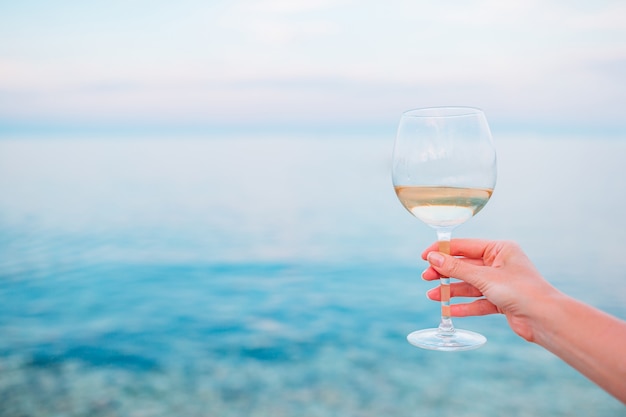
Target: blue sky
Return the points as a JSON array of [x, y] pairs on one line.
[[530, 63]]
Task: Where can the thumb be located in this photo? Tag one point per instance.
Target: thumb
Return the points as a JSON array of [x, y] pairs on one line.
[[449, 266]]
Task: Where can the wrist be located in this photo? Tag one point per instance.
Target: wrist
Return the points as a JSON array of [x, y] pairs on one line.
[[547, 318]]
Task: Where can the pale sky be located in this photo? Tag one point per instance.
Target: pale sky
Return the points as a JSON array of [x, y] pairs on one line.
[[286, 62]]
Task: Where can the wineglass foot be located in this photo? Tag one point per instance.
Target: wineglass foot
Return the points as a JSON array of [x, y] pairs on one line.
[[436, 339]]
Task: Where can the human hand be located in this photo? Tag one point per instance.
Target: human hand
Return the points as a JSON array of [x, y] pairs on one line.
[[499, 274], [505, 281]]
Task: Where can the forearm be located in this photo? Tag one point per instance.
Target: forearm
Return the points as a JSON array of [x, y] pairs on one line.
[[591, 341]]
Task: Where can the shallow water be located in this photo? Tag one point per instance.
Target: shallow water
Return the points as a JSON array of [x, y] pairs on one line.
[[269, 276]]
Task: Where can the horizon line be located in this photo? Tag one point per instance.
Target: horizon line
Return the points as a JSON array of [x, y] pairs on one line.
[[371, 128]]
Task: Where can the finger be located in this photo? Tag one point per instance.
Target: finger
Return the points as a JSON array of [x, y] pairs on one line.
[[451, 266], [481, 307], [457, 289], [470, 248], [431, 274]]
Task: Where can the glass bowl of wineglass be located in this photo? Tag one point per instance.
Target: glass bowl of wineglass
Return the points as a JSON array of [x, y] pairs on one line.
[[444, 172]]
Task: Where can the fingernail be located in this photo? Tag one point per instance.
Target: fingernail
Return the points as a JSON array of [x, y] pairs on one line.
[[435, 258], [429, 292]]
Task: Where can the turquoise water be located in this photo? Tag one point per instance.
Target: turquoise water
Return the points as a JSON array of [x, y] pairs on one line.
[[279, 276]]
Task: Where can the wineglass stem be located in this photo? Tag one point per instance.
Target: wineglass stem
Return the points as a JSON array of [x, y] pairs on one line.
[[445, 326]]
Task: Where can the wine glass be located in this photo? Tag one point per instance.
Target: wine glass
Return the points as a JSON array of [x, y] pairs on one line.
[[444, 172]]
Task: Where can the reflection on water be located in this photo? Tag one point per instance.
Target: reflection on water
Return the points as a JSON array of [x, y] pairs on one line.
[[277, 276]]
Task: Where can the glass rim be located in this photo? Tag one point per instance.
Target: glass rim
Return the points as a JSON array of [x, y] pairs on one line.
[[443, 111]]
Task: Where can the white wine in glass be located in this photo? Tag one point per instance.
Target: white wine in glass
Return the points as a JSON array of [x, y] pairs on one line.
[[444, 172]]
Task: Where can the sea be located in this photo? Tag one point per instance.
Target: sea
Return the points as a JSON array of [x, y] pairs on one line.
[[276, 274]]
